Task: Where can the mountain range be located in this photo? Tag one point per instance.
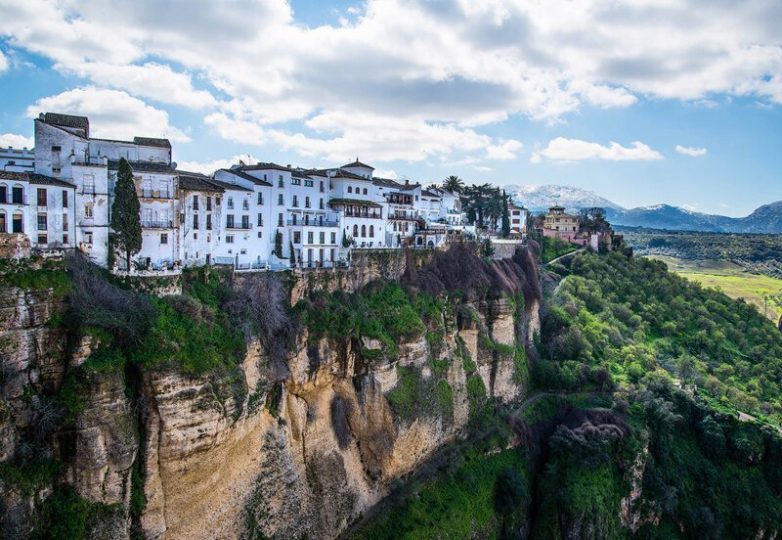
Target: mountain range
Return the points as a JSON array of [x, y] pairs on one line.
[[766, 219]]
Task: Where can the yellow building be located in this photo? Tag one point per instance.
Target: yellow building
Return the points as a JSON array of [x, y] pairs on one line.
[[558, 221]]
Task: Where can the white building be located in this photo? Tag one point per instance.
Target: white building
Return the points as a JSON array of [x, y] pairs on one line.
[[39, 206], [518, 219], [17, 160], [200, 218], [401, 214], [428, 204]]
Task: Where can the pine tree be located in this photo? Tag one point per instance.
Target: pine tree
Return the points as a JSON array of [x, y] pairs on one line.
[[125, 213], [505, 216], [278, 244]]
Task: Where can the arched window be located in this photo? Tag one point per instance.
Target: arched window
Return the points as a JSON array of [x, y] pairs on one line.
[[363, 231], [365, 191], [350, 189], [3, 226], [355, 231], [371, 231]]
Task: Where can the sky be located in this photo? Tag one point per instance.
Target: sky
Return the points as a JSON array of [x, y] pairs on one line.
[[643, 102]]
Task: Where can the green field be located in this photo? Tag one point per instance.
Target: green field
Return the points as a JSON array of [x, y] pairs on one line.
[[763, 291]]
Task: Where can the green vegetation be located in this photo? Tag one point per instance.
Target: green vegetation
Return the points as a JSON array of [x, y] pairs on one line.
[[29, 477], [28, 276], [763, 291], [755, 253], [65, 514], [125, 212], [615, 319], [415, 396], [476, 499], [552, 247], [385, 313]]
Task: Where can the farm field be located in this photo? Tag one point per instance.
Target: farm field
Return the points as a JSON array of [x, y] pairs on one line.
[[763, 291]]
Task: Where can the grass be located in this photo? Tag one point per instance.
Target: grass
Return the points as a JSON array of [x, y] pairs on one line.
[[458, 505], [733, 280]]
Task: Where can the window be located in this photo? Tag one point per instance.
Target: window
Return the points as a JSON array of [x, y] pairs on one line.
[[310, 237], [195, 237], [3, 225], [88, 184], [217, 201], [209, 222], [297, 237], [260, 220], [245, 204], [333, 238], [230, 203], [307, 183], [322, 237], [163, 238], [279, 181], [363, 231], [3, 193], [56, 148], [17, 223], [321, 203], [64, 198], [65, 222], [260, 234], [295, 201], [65, 238], [229, 239], [260, 198], [195, 202], [208, 204], [56, 170], [88, 210], [17, 195], [41, 197], [321, 186], [280, 200], [295, 181], [195, 221], [88, 237], [365, 191], [294, 219], [355, 231], [42, 222], [371, 231], [350, 189], [42, 239], [229, 221], [245, 222], [306, 202]]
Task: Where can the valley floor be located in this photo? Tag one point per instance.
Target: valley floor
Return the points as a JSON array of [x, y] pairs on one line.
[[733, 280]]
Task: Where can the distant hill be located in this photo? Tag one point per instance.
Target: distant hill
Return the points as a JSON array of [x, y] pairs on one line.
[[765, 220]]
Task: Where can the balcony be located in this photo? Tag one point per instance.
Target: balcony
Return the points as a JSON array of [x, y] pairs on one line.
[[150, 224], [313, 223], [372, 215], [155, 194], [239, 226]]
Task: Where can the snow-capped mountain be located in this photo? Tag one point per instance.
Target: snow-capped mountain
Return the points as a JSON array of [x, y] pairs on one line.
[[766, 219], [540, 198]]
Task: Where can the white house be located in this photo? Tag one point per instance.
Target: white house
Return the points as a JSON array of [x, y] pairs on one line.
[[355, 198], [401, 215], [200, 218], [17, 159]]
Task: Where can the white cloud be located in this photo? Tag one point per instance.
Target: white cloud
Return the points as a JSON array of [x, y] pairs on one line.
[[562, 149], [442, 69], [208, 167], [113, 114], [386, 173], [507, 149], [17, 141], [3, 62], [691, 151]]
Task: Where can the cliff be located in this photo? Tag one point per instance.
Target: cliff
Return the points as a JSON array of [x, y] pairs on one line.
[[291, 440]]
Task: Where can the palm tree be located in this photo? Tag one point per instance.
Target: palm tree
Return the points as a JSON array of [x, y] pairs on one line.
[[454, 184], [433, 187]]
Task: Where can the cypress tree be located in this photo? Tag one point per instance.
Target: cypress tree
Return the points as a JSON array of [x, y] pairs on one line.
[[505, 216], [125, 213], [293, 255], [278, 244]]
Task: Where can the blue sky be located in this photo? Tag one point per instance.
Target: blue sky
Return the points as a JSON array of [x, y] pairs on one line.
[[650, 101]]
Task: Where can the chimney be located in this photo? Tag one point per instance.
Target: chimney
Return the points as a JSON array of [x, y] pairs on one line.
[[407, 182]]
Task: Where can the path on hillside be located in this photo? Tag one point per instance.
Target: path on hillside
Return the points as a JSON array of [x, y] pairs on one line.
[[568, 254]]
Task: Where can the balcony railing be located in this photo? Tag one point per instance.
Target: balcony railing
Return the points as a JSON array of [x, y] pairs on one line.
[[155, 194], [152, 224], [240, 226], [360, 215], [313, 223]]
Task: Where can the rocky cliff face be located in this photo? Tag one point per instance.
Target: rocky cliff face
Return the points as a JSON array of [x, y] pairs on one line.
[[156, 452]]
